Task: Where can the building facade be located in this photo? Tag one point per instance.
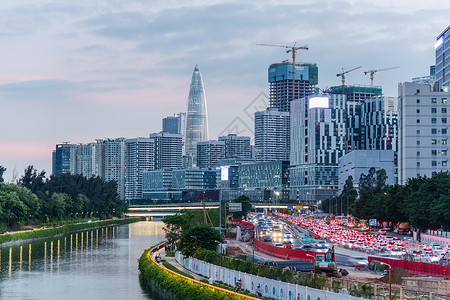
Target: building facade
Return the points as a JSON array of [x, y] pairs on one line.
[[359, 162], [196, 115], [64, 159], [280, 83], [209, 153], [318, 140], [168, 150], [271, 135], [236, 146], [140, 157], [442, 62], [423, 130], [114, 163]]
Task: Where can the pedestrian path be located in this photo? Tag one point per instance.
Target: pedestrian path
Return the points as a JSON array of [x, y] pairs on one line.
[[171, 260]]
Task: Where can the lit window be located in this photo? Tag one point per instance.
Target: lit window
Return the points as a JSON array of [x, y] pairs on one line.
[[444, 152], [444, 100], [433, 100], [433, 142], [444, 142], [444, 163]]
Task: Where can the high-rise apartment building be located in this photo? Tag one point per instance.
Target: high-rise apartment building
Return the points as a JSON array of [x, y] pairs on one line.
[[424, 116], [196, 115], [175, 124], [271, 135], [318, 140], [209, 153], [280, 83], [114, 163], [140, 157], [168, 150], [86, 154], [442, 57], [64, 159], [236, 146]]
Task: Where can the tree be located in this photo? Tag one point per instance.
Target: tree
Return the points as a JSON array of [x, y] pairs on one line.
[[33, 180], [246, 206], [2, 171], [201, 236], [348, 195]]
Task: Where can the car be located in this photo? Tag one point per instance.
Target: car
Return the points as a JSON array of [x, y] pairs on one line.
[[308, 247], [358, 260], [288, 235], [278, 245]]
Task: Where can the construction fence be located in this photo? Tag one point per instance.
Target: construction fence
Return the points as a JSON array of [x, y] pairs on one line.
[[268, 287]]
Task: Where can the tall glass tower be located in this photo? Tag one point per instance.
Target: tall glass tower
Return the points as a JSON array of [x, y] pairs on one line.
[[196, 116]]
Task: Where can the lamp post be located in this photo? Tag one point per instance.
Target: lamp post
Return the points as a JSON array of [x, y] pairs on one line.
[[194, 237], [314, 268], [390, 286], [220, 243]]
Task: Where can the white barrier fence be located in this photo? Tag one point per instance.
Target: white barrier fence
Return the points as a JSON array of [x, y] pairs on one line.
[[269, 287]]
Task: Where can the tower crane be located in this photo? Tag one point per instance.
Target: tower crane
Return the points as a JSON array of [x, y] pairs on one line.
[[290, 49], [343, 76], [372, 72]]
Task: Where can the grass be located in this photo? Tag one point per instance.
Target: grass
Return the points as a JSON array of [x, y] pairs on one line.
[[172, 268]]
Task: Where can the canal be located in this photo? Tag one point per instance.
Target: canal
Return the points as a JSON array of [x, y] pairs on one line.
[[92, 264]]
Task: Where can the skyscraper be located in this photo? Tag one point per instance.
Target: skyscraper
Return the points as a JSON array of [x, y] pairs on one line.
[[139, 155], [236, 146], [271, 135], [64, 159], [280, 83], [209, 153], [114, 163], [318, 140], [196, 116], [168, 150], [441, 46]]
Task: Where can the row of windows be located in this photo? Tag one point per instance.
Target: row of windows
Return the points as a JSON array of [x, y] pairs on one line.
[[435, 141], [434, 163], [434, 110], [434, 100], [434, 120], [434, 152], [435, 131]]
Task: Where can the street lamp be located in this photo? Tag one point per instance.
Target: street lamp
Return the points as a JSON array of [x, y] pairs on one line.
[[314, 268], [220, 243], [194, 237], [390, 289]]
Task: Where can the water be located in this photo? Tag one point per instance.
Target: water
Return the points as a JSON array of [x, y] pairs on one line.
[[93, 264]]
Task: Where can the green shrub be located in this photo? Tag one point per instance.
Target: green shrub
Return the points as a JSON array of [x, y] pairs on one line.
[[178, 287]]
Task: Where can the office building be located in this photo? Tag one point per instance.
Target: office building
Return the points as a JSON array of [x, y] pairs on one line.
[[168, 150], [318, 140], [358, 162], [423, 130], [196, 115], [209, 153], [114, 163], [194, 179], [140, 157], [271, 135], [355, 96], [280, 83], [442, 70], [236, 146], [64, 159]]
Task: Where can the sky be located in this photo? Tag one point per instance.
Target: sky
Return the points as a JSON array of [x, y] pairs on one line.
[[76, 71]]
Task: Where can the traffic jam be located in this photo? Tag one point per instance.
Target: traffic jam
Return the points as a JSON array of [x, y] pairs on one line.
[[346, 234]]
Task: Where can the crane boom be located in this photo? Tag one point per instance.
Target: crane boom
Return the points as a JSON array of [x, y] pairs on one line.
[[372, 72], [343, 76], [290, 49]]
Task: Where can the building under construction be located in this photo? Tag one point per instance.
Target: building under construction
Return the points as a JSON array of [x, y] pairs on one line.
[[280, 83]]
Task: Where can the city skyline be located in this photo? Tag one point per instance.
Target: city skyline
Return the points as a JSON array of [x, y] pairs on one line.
[[115, 70]]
